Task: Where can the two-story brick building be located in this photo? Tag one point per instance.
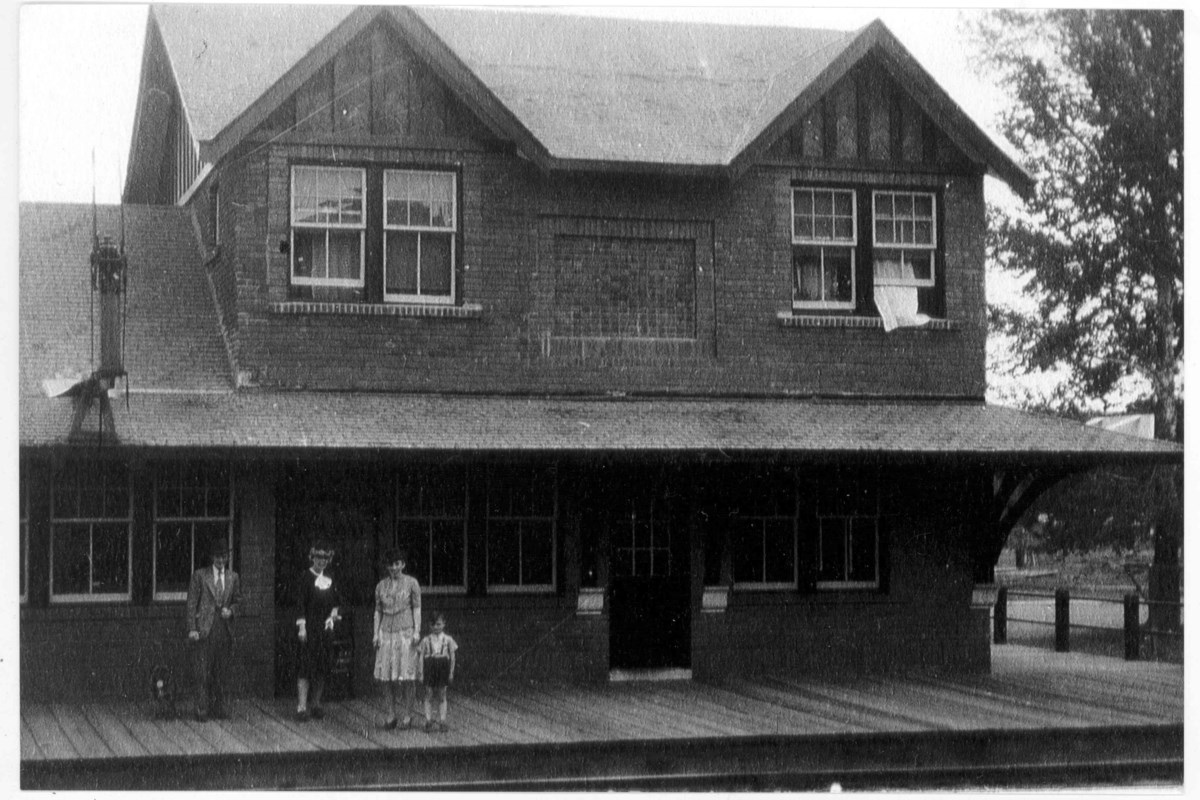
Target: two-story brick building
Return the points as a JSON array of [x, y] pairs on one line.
[[657, 345]]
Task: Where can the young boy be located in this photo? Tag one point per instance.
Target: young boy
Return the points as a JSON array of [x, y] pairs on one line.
[[437, 655]]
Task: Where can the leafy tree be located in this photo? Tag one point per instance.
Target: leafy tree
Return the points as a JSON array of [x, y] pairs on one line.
[[1097, 114]]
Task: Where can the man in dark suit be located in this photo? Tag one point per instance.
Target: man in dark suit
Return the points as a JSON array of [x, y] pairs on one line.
[[213, 599]]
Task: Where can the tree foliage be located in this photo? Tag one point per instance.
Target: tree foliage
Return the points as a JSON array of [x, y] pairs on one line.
[[1097, 115]]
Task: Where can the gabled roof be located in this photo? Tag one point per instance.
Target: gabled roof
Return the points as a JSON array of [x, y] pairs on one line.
[[571, 91], [172, 337]]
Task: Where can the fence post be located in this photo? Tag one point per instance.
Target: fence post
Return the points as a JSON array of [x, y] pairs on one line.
[[1000, 617], [1062, 620], [1133, 627]]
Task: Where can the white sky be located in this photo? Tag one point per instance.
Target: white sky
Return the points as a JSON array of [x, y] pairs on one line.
[[79, 65]]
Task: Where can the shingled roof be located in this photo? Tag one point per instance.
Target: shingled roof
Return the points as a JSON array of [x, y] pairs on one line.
[[172, 337], [572, 91]]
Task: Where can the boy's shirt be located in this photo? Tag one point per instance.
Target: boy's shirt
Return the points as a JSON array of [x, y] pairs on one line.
[[439, 646]]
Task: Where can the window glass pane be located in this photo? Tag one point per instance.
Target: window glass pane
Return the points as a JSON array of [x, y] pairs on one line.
[[922, 264], [72, 564], [780, 551], [823, 228], [504, 552], [862, 550], [308, 253], [435, 264], [802, 227], [447, 553], [537, 553], [401, 268], [804, 202], [839, 275], [345, 254], [807, 270], [110, 558], [172, 557], [904, 231], [884, 207], [397, 212], [843, 228], [642, 565], [843, 204], [884, 233], [923, 206], [833, 549], [903, 204], [745, 537], [823, 204], [419, 207], [442, 200], [924, 232]]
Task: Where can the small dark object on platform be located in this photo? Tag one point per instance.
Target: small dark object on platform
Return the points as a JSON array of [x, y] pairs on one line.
[[162, 692]]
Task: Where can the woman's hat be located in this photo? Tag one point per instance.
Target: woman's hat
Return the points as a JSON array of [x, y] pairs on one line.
[[321, 550]]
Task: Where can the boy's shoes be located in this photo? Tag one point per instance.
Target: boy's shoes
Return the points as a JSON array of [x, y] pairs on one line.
[[430, 726], [318, 713]]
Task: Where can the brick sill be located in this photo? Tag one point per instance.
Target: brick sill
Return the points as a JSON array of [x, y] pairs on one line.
[[788, 319], [306, 307]]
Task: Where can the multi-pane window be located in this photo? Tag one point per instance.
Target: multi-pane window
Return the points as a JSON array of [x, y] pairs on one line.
[[420, 223], [642, 539], [762, 525], [431, 522], [328, 226], [824, 236], [520, 529], [193, 506], [90, 522], [848, 530], [23, 534], [905, 237]]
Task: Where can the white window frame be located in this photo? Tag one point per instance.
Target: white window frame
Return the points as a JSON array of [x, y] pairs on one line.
[[360, 226], [421, 230], [56, 522], [517, 588], [227, 518], [410, 522], [849, 516], [823, 245], [903, 248]]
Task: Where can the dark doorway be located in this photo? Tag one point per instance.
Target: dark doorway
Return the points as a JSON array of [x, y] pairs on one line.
[[649, 602]]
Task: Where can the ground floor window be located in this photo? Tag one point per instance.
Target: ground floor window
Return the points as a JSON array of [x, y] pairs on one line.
[[763, 531], [23, 536], [847, 530], [193, 506], [521, 512], [431, 523], [90, 524]]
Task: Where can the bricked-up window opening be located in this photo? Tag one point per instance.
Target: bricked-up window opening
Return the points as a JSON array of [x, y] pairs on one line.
[[905, 237], [420, 225], [328, 218], [762, 525], [23, 559], [848, 530], [431, 523], [824, 238], [642, 542], [521, 541], [193, 506], [90, 529]]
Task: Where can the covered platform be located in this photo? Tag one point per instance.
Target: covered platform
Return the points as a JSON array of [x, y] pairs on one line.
[[1039, 719]]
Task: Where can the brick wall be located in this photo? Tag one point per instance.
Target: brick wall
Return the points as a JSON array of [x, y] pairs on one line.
[[524, 278]]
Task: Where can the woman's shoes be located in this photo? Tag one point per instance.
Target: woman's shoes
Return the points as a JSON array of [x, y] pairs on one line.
[[390, 725]]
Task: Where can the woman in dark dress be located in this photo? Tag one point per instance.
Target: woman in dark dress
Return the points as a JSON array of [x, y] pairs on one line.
[[316, 620]]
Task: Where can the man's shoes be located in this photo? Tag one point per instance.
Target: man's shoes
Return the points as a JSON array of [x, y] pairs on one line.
[[318, 713], [220, 713], [302, 715], [201, 716]]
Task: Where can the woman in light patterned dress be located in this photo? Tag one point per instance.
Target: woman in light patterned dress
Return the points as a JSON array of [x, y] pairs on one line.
[[397, 633]]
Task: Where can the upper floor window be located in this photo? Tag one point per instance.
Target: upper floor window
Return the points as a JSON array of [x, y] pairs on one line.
[[374, 234], [328, 226], [905, 238], [824, 238], [90, 528], [193, 506], [420, 223]]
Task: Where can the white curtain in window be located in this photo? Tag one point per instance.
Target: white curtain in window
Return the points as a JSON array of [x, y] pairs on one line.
[[896, 297]]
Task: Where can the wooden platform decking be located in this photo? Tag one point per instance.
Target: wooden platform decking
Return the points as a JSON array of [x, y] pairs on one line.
[[590, 730]]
